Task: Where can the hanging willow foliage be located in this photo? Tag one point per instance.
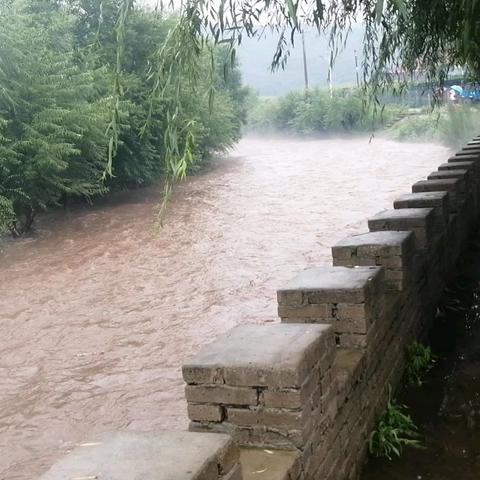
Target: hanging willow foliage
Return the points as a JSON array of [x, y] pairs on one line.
[[95, 96], [113, 129], [404, 39], [177, 60]]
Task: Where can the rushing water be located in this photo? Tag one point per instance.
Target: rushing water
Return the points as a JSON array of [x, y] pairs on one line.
[[98, 310]]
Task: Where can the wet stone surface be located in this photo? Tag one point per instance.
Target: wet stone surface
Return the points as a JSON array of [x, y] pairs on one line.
[[158, 456]]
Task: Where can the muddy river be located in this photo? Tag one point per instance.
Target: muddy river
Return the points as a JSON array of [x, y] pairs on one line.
[[98, 309]]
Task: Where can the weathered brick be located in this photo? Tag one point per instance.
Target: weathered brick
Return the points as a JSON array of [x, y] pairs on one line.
[[418, 220], [348, 340], [439, 201], [290, 298], [262, 376], [292, 398], [390, 249], [461, 174], [355, 261], [288, 398], [352, 312], [463, 156], [394, 262], [371, 244], [319, 312], [250, 435], [471, 148], [459, 164], [395, 275], [266, 417], [221, 394], [451, 185], [198, 374], [349, 319], [274, 355], [205, 413], [323, 285]]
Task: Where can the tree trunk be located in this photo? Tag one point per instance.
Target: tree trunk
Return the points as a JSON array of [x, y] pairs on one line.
[[24, 223]]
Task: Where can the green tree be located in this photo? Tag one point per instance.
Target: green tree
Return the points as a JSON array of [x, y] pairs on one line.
[[52, 141], [65, 132], [403, 39]]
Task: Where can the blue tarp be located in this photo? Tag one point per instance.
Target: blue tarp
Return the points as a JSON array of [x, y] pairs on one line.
[[470, 95]]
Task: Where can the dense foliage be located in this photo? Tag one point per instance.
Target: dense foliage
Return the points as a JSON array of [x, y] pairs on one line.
[[315, 111], [58, 61], [404, 40], [52, 119], [451, 125]]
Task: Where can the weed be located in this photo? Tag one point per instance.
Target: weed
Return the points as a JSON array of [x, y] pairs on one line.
[[419, 362], [395, 430]]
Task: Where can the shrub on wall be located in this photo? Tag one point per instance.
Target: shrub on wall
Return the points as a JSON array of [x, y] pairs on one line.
[[419, 362], [395, 430]]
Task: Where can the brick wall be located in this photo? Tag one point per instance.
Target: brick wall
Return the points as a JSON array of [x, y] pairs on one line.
[[380, 295], [299, 398]]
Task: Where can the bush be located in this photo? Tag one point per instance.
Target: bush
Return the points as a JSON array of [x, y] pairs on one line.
[[459, 124], [451, 125], [57, 60], [52, 122], [315, 111], [395, 430], [418, 363], [415, 128]]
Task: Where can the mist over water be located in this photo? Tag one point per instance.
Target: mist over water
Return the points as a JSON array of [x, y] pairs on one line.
[[98, 311]]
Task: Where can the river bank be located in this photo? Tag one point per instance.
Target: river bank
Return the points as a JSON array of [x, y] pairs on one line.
[[98, 310]]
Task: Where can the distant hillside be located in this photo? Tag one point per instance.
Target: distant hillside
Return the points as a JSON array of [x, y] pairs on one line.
[[256, 56]]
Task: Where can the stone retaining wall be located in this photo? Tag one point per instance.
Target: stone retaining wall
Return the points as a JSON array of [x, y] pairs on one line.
[[300, 398]]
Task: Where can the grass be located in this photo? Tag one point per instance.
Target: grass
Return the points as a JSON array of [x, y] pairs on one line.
[[395, 430], [419, 362]]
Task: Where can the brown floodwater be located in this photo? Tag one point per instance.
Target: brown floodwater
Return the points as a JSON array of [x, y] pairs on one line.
[[98, 310]]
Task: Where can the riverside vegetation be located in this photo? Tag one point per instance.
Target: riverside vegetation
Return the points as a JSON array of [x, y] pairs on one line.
[[451, 125], [101, 95], [58, 62], [315, 111]]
